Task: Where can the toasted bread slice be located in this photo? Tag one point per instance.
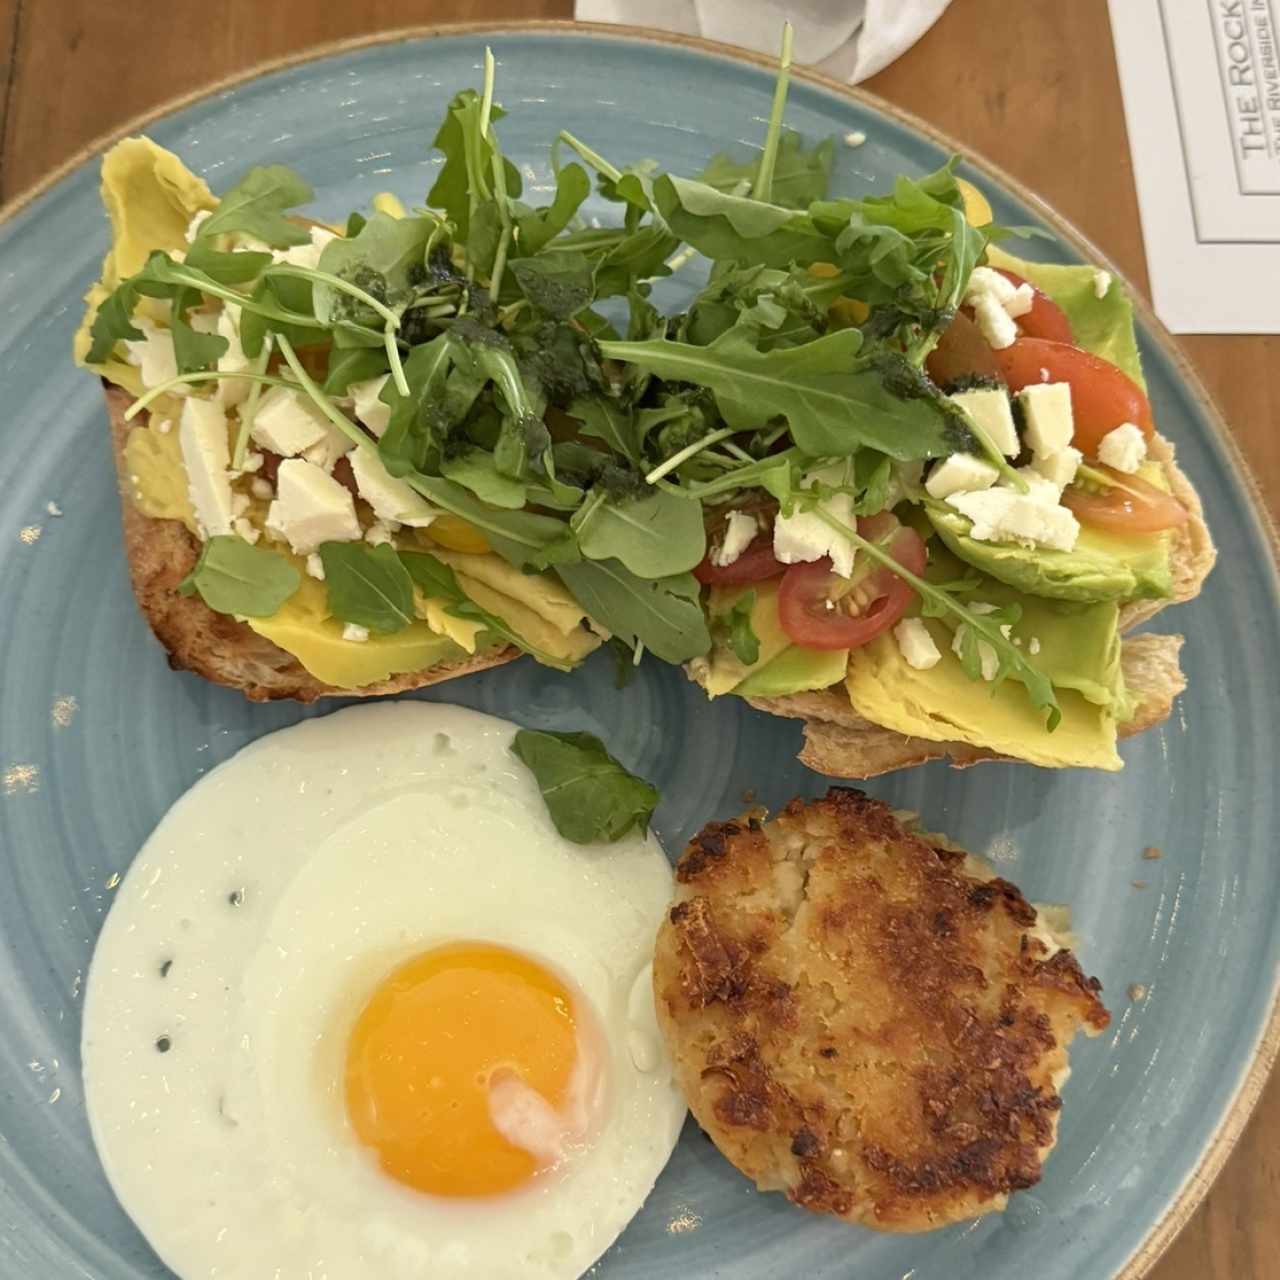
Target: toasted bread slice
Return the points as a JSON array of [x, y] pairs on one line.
[[162, 552]]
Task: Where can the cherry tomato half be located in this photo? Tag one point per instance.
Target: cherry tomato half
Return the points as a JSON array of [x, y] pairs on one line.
[[814, 615], [755, 564], [1128, 505], [962, 352], [1102, 396], [1045, 319]]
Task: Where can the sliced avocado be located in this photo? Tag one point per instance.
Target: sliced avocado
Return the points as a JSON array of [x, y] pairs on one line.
[[795, 670], [727, 669]]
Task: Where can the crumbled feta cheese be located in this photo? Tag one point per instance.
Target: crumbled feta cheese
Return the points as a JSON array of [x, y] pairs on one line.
[[391, 499], [153, 354], [261, 489], [987, 658], [989, 409], [315, 566], [916, 644], [739, 534], [1059, 468], [378, 533], [193, 227], [53, 509], [334, 445], [1033, 647], [203, 321], [288, 422], [164, 426], [1040, 489], [206, 454], [1047, 409], [232, 391], [996, 324], [1024, 298], [311, 507], [352, 631], [369, 409], [239, 503], [245, 529], [854, 138], [987, 280], [1004, 515], [805, 536], [1123, 448], [306, 255], [1101, 283], [960, 473]]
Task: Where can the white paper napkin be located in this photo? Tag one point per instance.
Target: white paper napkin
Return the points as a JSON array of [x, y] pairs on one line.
[[847, 39]]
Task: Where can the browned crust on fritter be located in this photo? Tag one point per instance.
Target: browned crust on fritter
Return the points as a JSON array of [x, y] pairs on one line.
[[842, 744], [162, 552], [862, 1018]]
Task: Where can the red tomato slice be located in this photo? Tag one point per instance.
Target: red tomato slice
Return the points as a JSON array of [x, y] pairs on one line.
[[962, 352], [1045, 319], [814, 615], [755, 564], [1128, 505], [1102, 396]]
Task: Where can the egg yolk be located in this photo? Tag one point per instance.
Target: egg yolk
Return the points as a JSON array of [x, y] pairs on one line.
[[433, 1043]]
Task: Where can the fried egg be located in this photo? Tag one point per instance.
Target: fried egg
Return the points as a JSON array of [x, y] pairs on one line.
[[358, 1010]]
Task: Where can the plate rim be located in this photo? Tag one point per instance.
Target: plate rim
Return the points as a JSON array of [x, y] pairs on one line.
[[1254, 1075]]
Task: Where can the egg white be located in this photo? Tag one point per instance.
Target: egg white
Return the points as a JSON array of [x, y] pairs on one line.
[[270, 902]]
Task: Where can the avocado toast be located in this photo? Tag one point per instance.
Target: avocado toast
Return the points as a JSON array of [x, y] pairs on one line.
[[369, 455]]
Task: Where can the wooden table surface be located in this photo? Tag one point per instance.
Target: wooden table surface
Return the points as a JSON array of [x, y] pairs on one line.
[[1032, 86]]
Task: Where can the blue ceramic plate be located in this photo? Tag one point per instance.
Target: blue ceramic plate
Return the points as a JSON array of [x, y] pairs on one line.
[[84, 782]]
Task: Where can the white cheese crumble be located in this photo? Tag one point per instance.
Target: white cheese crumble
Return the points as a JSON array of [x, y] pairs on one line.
[[261, 489], [987, 658], [1024, 298], [1101, 283], [53, 509], [854, 138], [989, 409], [740, 532], [390, 498], [1004, 515], [960, 473], [206, 454], [1033, 646], [335, 444], [311, 507], [306, 255], [1124, 448], [193, 227], [315, 566], [805, 536], [996, 324], [1050, 424], [231, 390], [353, 631], [378, 534], [1059, 468], [245, 529], [916, 644], [369, 409], [288, 422], [153, 355]]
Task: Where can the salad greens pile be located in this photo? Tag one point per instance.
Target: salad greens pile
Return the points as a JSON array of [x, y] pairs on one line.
[[537, 392]]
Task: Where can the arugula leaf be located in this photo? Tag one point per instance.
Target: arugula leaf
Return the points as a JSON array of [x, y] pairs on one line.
[[640, 255], [655, 536], [559, 285], [438, 581], [192, 350], [663, 614], [226, 268], [367, 585], [113, 323], [255, 206], [459, 178], [385, 260], [535, 227], [799, 176], [833, 401], [738, 229], [353, 364], [736, 625], [477, 470], [233, 576], [589, 795], [610, 421], [418, 422]]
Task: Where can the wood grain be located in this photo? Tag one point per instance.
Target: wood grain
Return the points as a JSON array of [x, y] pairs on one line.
[[1031, 86]]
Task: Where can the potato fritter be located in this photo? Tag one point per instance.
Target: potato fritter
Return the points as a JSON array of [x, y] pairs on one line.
[[865, 1018]]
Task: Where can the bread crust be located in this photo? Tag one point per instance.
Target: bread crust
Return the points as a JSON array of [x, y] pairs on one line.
[[865, 1018], [214, 645]]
